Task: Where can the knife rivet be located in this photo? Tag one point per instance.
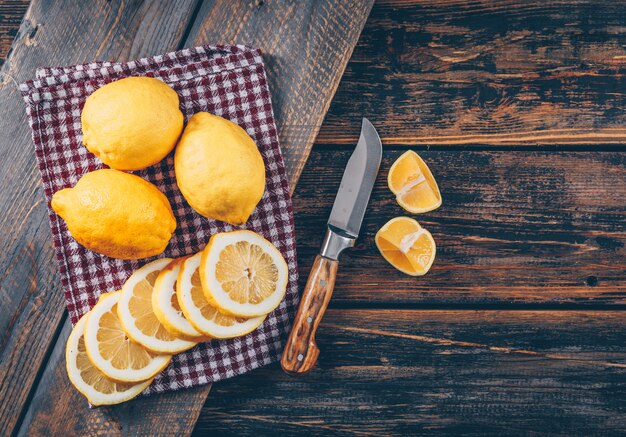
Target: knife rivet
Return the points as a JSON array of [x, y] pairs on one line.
[[300, 357], [309, 319], [322, 283]]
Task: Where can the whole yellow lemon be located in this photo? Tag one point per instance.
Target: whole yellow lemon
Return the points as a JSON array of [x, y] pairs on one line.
[[219, 169], [132, 123], [116, 214]]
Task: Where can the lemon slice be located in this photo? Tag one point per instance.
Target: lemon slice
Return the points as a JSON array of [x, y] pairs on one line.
[[111, 351], [166, 307], [243, 274], [137, 316], [89, 381], [413, 184], [203, 316], [406, 246]]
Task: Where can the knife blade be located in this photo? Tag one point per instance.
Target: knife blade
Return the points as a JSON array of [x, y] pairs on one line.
[[344, 224], [357, 182]]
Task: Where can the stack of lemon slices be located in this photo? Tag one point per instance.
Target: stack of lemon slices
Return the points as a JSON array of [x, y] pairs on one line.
[[168, 306]]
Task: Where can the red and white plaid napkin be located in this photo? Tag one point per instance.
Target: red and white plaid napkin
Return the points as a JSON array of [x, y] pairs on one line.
[[229, 81]]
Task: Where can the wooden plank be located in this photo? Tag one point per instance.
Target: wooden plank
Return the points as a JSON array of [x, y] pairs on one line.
[[32, 300], [492, 72], [523, 228], [306, 45], [440, 372], [57, 408], [187, 404], [11, 14]]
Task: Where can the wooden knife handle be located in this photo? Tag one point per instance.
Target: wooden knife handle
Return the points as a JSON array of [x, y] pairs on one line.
[[300, 353]]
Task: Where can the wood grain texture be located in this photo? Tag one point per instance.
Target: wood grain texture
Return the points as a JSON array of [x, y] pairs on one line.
[[59, 33], [300, 352], [53, 33], [11, 14], [516, 229], [440, 373], [489, 72], [306, 47], [58, 409], [524, 228]]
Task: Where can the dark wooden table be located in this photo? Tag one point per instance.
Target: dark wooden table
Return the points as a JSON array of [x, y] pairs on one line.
[[519, 328]]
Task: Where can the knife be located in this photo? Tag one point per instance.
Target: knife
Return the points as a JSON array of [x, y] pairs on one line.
[[301, 351]]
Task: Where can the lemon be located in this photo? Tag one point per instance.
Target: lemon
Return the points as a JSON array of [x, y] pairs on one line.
[[132, 123], [89, 381], [137, 317], [243, 274], [116, 214], [219, 169], [111, 351], [166, 307], [413, 184], [202, 315], [406, 246]]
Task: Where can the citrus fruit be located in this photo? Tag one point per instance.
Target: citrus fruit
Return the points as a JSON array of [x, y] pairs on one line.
[[413, 184], [111, 351], [166, 307], [132, 123], [116, 214], [202, 315], [406, 246], [89, 381], [243, 274], [219, 169], [137, 317]]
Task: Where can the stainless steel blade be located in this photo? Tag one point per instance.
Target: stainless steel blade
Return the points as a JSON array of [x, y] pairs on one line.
[[357, 182]]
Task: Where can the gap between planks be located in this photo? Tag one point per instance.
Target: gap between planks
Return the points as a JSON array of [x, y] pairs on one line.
[[56, 339], [512, 306], [450, 342], [530, 138], [40, 372], [476, 147]]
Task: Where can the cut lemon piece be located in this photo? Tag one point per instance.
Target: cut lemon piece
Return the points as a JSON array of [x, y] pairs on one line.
[[111, 351], [413, 184], [89, 381], [406, 246], [203, 316], [243, 274], [166, 307], [137, 316]]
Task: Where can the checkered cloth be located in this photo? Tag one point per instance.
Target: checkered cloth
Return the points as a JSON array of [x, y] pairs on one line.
[[229, 81]]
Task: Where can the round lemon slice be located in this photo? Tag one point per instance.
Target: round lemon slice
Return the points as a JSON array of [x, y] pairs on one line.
[[203, 316], [243, 274], [137, 315], [111, 351], [406, 246], [166, 307], [89, 381]]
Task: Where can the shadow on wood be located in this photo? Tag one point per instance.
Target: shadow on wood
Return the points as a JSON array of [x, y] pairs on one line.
[[440, 373]]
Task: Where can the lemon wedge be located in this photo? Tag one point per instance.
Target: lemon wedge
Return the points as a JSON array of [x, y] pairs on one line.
[[413, 184], [406, 246]]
